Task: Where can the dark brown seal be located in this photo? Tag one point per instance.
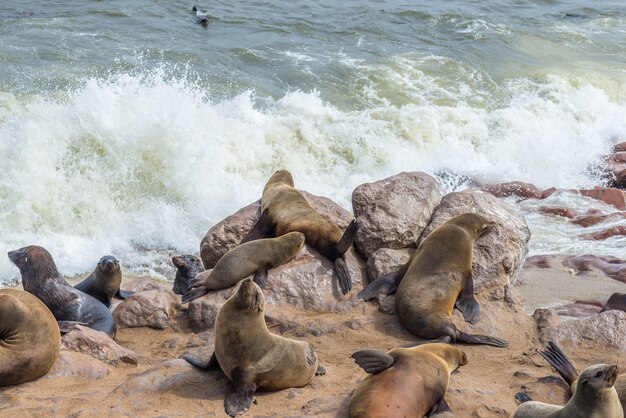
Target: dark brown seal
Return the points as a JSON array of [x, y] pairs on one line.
[[29, 337], [187, 268], [104, 282], [68, 305]]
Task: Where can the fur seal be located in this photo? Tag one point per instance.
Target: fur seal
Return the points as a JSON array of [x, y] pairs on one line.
[[29, 337], [251, 356], [414, 387], [68, 305], [284, 209], [566, 369], [104, 282], [594, 397], [187, 268], [437, 278], [254, 257]]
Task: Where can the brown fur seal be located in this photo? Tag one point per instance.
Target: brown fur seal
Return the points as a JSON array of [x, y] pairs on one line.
[[405, 382], [254, 257], [251, 356], [187, 268], [68, 305], [284, 209], [595, 397], [565, 368], [104, 282], [29, 337], [438, 276]]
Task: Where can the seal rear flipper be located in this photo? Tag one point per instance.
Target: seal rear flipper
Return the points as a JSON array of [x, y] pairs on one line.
[[124, 294], [522, 397], [373, 361], [239, 399], [560, 362], [467, 304], [480, 339], [347, 238], [441, 410], [261, 229], [194, 293], [384, 285], [195, 361], [343, 274], [260, 277], [67, 326], [321, 371]]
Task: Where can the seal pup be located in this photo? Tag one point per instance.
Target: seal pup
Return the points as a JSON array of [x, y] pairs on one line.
[[29, 337], [438, 278], [187, 268], [594, 397], [68, 305], [405, 382], [104, 282], [254, 257], [557, 359], [284, 209], [251, 356]]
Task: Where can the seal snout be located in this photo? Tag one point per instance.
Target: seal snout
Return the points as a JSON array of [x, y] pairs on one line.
[[611, 374]]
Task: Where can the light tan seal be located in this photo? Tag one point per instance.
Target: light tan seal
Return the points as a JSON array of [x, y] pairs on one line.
[[284, 209], [254, 257], [437, 277], [594, 397], [405, 382], [252, 357], [557, 359], [30, 338]]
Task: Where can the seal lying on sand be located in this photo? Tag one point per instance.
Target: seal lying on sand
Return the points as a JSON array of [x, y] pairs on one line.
[[437, 277], [104, 282], [68, 305], [284, 209], [565, 368], [414, 387], [250, 355], [255, 257], [594, 397], [187, 268], [29, 337]]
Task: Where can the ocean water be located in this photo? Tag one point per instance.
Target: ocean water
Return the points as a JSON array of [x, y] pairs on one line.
[[127, 128]]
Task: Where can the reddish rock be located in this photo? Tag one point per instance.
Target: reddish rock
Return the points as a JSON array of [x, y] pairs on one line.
[[590, 220], [617, 157], [98, 345], [582, 308], [393, 212], [548, 192], [514, 188], [608, 195], [607, 233], [540, 261], [621, 147], [611, 266], [559, 211], [156, 308]]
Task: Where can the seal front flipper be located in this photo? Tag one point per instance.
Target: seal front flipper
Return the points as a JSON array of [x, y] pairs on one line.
[[560, 362], [260, 277], [195, 361], [242, 388], [467, 304], [261, 229], [373, 361], [194, 293], [343, 274], [347, 238], [384, 285], [124, 294], [480, 339]]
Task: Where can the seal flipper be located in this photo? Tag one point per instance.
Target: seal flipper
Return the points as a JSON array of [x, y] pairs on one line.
[[343, 274], [124, 294], [194, 293], [384, 285], [321, 371], [202, 364], [260, 277], [347, 238], [522, 397], [442, 409], [373, 361], [467, 304], [67, 326], [560, 362], [480, 339], [261, 229], [242, 388]]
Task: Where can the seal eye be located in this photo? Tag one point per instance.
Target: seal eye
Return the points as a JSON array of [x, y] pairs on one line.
[[598, 374]]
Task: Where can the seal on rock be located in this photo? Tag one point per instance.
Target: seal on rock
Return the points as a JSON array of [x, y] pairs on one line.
[[187, 268], [254, 257], [68, 305], [104, 282], [437, 278], [29, 337], [284, 209], [414, 387], [251, 356], [594, 397]]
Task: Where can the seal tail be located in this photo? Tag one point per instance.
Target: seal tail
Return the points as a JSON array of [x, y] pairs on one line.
[[347, 238], [560, 362], [343, 274], [481, 339]]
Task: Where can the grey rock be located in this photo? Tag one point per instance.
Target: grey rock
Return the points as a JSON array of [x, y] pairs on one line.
[[156, 308], [97, 344]]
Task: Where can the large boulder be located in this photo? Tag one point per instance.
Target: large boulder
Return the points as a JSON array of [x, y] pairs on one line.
[[387, 260], [203, 311], [156, 308], [498, 255], [73, 364], [98, 345], [393, 212]]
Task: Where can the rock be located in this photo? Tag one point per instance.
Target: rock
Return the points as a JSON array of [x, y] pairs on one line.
[[558, 211], [610, 196], [594, 219], [611, 266], [73, 364], [141, 284], [498, 255], [621, 147], [541, 261], [605, 330], [387, 260], [582, 308], [187, 267], [97, 344], [154, 308], [618, 230], [393, 212], [514, 188], [202, 311]]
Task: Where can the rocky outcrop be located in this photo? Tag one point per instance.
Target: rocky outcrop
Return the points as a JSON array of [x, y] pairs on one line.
[[156, 308], [74, 364], [393, 212], [514, 188], [202, 311], [97, 344], [387, 260], [618, 230], [611, 266], [610, 196]]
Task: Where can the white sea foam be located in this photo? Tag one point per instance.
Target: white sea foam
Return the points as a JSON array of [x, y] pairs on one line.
[[142, 166]]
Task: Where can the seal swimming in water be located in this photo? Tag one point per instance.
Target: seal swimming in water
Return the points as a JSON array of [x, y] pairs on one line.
[[284, 209], [254, 257], [187, 268], [405, 382], [437, 277], [594, 397], [251, 356], [30, 339], [68, 305], [104, 282]]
